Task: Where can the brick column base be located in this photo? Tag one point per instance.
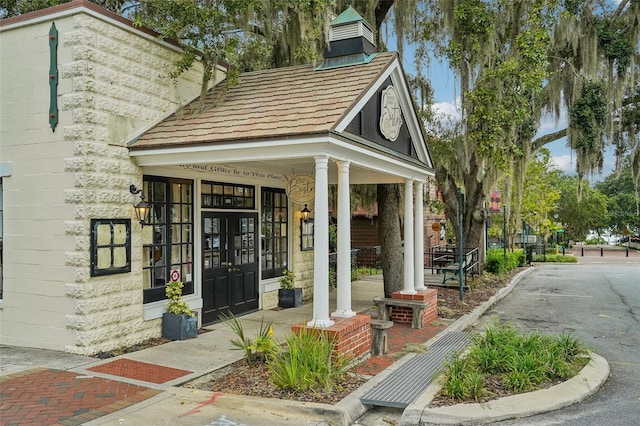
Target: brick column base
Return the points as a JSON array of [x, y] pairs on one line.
[[403, 314], [351, 336]]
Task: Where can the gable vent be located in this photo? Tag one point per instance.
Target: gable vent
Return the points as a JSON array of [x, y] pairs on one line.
[[344, 32]]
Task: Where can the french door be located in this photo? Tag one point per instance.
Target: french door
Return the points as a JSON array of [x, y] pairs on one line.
[[229, 264]]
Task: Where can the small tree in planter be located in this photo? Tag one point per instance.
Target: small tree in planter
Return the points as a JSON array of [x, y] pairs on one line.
[[179, 322], [289, 296]]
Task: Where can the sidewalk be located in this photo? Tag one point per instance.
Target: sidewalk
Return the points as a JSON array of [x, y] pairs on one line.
[[40, 387]]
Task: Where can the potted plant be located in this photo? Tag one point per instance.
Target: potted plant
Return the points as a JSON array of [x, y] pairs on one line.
[[179, 322], [289, 296]]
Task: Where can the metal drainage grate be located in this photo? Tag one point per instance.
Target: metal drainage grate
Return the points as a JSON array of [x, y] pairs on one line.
[[406, 384]]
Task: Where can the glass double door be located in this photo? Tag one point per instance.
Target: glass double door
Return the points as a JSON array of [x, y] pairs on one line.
[[229, 264]]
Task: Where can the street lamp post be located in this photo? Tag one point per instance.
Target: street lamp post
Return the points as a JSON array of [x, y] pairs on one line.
[[504, 235], [555, 231]]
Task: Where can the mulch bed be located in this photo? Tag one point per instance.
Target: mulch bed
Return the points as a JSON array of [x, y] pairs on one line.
[[241, 378], [255, 380]]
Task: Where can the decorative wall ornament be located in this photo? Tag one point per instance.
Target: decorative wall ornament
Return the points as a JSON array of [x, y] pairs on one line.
[[390, 114], [301, 188], [53, 77]]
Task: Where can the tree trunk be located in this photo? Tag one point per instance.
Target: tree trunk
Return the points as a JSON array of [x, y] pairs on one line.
[[474, 216], [391, 257], [475, 236]]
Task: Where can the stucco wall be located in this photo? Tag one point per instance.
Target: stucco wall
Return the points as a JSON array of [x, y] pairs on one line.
[[112, 85]]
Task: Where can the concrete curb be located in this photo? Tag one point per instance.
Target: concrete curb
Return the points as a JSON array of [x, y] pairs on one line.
[[344, 412], [352, 402], [590, 379], [468, 319], [577, 389], [309, 411]]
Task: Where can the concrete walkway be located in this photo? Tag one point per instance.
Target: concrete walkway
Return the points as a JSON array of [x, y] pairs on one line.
[[142, 388]]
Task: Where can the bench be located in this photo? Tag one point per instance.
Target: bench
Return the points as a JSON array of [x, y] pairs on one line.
[[384, 305], [441, 260], [454, 268]]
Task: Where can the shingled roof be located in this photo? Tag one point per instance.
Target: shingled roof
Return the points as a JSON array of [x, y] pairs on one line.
[[275, 103]]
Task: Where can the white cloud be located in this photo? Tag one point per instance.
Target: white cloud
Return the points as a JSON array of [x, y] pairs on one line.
[[447, 109], [564, 163]]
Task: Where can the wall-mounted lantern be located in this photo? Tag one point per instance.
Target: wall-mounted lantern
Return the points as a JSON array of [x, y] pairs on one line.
[[142, 208], [304, 213]]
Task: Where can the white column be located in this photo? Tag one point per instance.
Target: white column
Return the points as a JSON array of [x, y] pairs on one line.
[[321, 247], [343, 281], [419, 238], [408, 238]]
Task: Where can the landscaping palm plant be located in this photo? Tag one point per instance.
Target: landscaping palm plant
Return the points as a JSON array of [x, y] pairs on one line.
[[258, 350]]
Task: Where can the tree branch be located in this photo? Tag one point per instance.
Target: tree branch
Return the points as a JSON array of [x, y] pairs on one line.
[[543, 140], [381, 12]]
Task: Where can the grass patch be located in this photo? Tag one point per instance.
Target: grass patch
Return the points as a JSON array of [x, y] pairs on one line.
[[503, 360]]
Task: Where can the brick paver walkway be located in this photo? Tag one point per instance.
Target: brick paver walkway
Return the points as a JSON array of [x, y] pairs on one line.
[[45, 396], [140, 370]]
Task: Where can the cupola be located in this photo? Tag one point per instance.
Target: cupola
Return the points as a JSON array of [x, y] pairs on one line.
[[351, 41]]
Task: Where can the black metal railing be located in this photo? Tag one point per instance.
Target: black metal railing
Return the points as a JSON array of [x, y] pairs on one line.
[[438, 257]]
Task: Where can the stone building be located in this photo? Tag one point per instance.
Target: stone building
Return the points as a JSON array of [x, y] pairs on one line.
[[90, 122]]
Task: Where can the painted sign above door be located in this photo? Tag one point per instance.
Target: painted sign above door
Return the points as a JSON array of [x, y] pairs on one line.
[[390, 114], [301, 188], [234, 171]]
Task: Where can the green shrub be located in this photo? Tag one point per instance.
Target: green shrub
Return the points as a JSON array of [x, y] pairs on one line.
[[494, 265], [309, 362], [520, 361], [557, 364], [333, 277], [495, 261], [595, 241], [489, 359], [524, 370], [464, 381], [570, 346], [176, 304], [367, 270], [555, 258], [354, 274]]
